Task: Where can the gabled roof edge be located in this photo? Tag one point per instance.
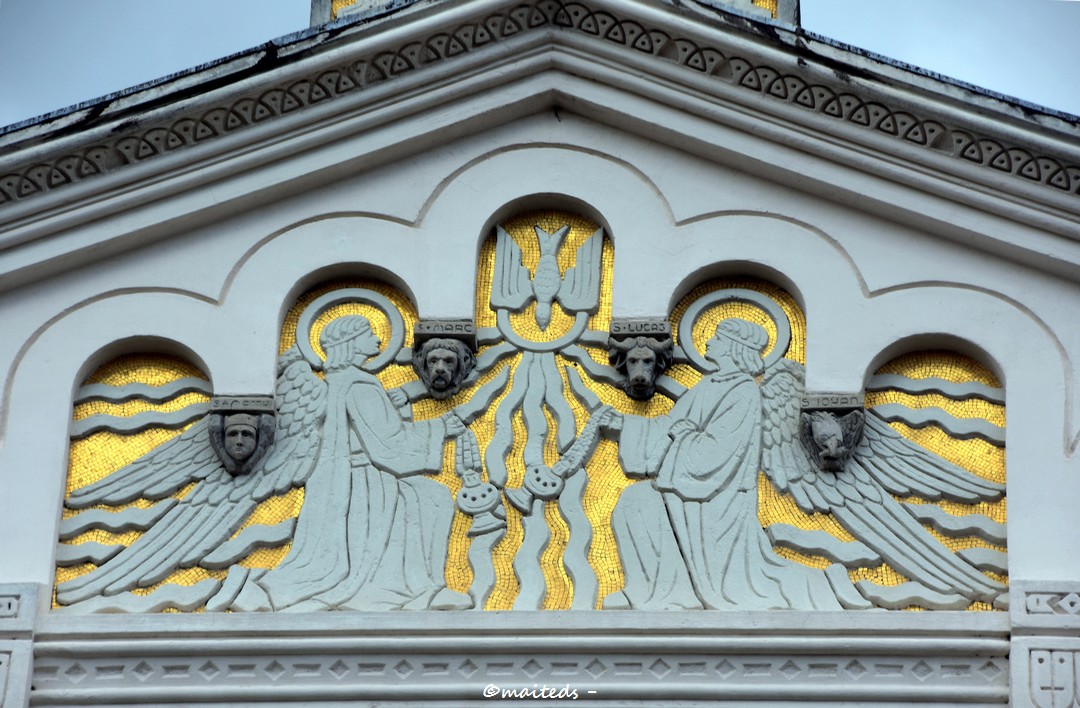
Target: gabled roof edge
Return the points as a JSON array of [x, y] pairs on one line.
[[353, 53]]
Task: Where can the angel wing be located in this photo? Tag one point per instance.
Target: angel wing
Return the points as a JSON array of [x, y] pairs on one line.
[[859, 497], [580, 289], [511, 287], [207, 517]]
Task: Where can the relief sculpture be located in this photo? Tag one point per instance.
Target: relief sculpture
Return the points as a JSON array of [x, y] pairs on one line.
[[546, 458]]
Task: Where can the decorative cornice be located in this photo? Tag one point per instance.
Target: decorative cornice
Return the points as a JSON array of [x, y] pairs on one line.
[[646, 658], [132, 147]]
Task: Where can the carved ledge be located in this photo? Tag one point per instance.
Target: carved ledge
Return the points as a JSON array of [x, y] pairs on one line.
[[645, 657], [18, 608]]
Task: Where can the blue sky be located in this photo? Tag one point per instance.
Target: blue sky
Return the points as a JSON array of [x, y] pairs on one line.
[[54, 53]]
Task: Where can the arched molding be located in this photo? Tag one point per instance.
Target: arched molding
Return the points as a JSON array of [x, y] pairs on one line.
[[619, 196], [934, 341], [812, 268], [139, 345], [735, 269], [541, 202], [59, 357], [338, 272]]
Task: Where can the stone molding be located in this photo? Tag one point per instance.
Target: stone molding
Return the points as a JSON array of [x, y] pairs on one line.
[[22, 181], [1045, 665], [18, 609], [1044, 671], [636, 656], [1045, 607]]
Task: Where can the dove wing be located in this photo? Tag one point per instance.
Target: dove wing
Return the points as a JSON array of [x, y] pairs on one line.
[[511, 287], [580, 289]]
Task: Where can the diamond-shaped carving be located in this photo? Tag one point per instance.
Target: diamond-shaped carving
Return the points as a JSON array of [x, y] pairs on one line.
[[1070, 603], [855, 669], [660, 668], [790, 670], [725, 668], [595, 668], [990, 670], [921, 670], [142, 670], [75, 672], [274, 670], [532, 668], [209, 670], [339, 669], [468, 668], [403, 668]]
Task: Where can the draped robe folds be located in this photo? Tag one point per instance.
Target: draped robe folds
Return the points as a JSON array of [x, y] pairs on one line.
[[691, 538], [369, 536]]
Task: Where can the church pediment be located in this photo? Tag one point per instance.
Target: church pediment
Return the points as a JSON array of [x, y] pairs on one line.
[[757, 353]]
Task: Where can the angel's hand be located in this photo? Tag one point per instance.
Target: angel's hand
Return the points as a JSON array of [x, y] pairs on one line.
[[611, 421], [454, 425], [398, 397], [681, 427], [467, 456]]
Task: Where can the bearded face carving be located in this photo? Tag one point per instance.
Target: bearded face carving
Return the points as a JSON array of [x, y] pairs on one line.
[[640, 361], [829, 439], [443, 364]]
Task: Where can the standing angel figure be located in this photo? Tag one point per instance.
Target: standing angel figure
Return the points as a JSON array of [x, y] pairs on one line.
[[373, 532], [691, 537]]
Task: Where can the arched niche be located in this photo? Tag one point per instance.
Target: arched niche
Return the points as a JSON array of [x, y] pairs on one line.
[[133, 397], [944, 395], [546, 238]]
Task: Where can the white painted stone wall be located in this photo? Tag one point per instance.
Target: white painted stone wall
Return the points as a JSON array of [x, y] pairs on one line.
[[201, 256]]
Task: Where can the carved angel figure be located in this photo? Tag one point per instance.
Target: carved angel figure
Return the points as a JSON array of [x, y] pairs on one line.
[[690, 537], [372, 533]]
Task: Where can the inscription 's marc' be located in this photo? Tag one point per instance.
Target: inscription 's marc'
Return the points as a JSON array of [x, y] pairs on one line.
[[702, 426]]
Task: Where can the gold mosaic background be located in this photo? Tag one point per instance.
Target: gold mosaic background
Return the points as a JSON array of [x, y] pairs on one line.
[[978, 456], [770, 5], [95, 456], [103, 453], [560, 588]]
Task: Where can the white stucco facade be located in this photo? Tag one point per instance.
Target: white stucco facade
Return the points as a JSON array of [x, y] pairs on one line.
[[888, 245]]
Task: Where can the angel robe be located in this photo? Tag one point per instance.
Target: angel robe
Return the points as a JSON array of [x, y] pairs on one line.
[[692, 538], [370, 535]]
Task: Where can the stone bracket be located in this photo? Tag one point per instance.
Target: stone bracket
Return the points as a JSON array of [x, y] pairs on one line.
[[1045, 608], [18, 610]]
